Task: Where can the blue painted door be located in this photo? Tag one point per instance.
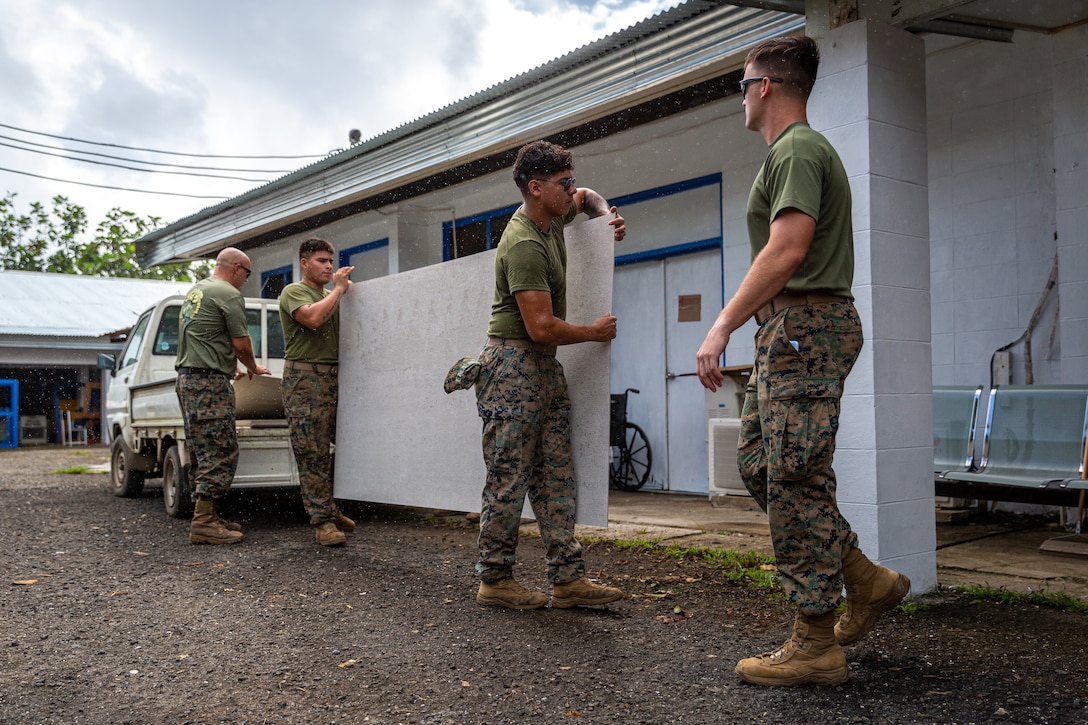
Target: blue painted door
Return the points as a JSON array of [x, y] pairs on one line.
[[9, 413]]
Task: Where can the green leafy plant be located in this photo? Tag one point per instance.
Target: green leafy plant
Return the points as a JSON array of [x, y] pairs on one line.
[[1001, 595]]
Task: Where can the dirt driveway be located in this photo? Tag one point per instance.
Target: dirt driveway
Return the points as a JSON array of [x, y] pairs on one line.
[[109, 615]]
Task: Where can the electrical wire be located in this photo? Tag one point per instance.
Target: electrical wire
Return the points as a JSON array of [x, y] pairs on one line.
[[154, 151], [111, 188], [139, 161], [134, 168]]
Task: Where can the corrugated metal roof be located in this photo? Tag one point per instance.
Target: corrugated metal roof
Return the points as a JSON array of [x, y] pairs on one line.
[[71, 305], [685, 45]]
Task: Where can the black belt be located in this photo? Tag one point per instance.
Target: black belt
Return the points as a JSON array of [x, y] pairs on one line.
[[781, 302], [320, 368], [201, 371], [536, 347]]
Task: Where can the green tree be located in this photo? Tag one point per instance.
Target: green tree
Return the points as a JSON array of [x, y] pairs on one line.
[[55, 239]]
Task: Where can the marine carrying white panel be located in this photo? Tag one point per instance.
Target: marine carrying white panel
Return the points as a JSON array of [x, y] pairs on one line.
[[400, 438]]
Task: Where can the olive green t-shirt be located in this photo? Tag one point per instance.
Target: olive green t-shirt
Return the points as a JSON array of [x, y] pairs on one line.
[[213, 313], [303, 344], [529, 259], [802, 171]]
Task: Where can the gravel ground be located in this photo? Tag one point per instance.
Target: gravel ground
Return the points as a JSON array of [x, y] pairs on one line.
[[111, 616]]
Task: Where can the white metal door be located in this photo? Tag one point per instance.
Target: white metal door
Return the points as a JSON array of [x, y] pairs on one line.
[[638, 355], [694, 280]]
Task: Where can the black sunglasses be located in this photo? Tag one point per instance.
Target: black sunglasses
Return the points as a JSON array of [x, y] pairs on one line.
[[745, 82], [566, 183], [247, 269]]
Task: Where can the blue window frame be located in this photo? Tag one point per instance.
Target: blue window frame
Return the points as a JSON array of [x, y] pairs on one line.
[[474, 234], [368, 263], [274, 280], [664, 252]]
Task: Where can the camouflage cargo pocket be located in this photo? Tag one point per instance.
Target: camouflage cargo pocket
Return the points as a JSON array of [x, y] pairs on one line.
[[805, 420]]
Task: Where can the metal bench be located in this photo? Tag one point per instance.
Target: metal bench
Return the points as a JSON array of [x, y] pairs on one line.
[[1033, 447], [955, 409]]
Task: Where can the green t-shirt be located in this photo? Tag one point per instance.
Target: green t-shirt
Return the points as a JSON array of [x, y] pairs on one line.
[[303, 344], [213, 313], [529, 259], [802, 171]]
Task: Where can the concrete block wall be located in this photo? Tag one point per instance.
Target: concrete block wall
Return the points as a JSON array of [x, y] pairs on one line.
[[993, 116]]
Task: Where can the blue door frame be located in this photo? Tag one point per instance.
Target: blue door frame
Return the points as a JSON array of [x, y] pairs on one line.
[[9, 413]]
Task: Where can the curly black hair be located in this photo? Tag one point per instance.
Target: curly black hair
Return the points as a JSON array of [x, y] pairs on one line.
[[538, 160]]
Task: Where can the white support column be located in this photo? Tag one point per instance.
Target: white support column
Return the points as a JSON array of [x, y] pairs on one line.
[[870, 102]]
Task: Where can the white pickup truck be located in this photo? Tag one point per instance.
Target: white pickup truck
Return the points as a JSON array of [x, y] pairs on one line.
[[144, 417]]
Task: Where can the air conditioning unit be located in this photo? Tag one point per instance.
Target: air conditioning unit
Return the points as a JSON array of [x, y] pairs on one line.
[[722, 434]]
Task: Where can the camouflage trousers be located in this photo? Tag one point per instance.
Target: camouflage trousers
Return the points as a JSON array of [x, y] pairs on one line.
[[309, 400], [789, 422], [521, 395], [211, 439]]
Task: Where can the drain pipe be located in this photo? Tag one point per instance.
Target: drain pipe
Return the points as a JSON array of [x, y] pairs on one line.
[[1029, 373]]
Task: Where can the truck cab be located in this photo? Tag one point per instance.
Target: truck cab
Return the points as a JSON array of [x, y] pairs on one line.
[[144, 418]]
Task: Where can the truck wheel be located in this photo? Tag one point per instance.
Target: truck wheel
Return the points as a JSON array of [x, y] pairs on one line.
[[175, 486], [127, 482]]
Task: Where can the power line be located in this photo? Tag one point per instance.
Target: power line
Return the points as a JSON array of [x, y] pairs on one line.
[[139, 161], [111, 188], [134, 168], [154, 151]]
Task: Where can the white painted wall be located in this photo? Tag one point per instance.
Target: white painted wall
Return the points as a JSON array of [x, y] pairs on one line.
[[993, 205], [1007, 170]]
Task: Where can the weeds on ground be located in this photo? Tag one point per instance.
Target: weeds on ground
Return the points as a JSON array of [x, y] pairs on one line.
[[75, 470], [750, 568], [1001, 595]]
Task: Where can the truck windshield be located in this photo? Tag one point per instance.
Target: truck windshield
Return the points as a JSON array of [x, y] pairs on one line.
[[166, 339], [131, 352]]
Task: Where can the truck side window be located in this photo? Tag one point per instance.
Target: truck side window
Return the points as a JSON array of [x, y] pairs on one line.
[[253, 320], [166, 339], [276, 344], [131, 353]]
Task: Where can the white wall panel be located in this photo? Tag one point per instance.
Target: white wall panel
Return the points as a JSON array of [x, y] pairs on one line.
[[402, 440]]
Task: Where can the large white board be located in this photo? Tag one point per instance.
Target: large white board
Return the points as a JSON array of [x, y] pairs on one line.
[[400, 438]]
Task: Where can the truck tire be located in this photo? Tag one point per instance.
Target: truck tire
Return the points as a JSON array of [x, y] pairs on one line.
[[126, 481], [175, 486]]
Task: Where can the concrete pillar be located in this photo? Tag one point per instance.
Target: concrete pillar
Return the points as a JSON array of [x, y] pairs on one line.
[[870, 102], [1071, 192]]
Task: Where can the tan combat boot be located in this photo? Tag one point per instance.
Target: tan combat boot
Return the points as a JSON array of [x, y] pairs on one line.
[[228, 525], [207, 528], [329, 535], [344, 523], [508, 593], [810, 657], [871, 590], [582, 593]]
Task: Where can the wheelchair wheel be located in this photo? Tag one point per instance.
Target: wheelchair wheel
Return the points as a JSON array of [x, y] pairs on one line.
[[630, 467]]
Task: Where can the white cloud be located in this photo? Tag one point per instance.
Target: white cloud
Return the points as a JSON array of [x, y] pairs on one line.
[[273, 77]]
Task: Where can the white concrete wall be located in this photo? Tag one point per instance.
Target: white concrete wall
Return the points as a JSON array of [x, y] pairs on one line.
[[993, 115], [1070, 65], [1007, 170]]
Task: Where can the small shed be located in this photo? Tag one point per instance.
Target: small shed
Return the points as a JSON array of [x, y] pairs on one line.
[[52, 329]]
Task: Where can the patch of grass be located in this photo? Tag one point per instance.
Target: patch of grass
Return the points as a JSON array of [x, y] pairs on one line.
[[75, 470], [912, 607], [750, 568], [1001, 595]]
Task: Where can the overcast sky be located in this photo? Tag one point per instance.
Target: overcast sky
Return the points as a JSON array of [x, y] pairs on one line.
[[249, 77]]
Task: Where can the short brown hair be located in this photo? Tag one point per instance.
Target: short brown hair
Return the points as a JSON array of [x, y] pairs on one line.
[[794, 59], [312, 246], [540, 159]]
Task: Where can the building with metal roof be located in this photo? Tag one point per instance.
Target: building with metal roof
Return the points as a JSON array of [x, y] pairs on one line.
[[52, 329], [962, 126]]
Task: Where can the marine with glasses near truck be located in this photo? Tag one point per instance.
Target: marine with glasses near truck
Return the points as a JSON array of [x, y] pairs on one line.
[[213, 337], [310, 317]]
